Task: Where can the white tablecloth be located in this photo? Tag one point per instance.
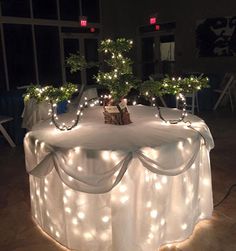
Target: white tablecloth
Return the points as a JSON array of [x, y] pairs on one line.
[[34, 112], [104, 187]]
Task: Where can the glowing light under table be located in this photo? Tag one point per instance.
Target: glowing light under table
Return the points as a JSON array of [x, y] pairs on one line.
[[142, 209]]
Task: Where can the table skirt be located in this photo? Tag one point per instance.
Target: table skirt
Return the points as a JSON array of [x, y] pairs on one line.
[[142, 212]]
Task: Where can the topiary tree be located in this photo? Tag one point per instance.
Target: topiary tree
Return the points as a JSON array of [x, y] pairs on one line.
[[172, 85], [118, 78]]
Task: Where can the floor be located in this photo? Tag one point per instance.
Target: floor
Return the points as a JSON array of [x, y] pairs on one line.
[[19, 233]]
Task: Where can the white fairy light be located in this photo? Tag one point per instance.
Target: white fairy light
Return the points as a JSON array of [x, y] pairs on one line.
[[81, 215], [164, 179], [124, 199], [158, 186], [149, 204], [88, 236], [65, 200], [163, 221], [74, 221], [105, 219], [180, 97], [193, 166], [180, 145], [68, 210], [206, 182], [123, 188], [79, 168], [74, 122], [151, 236], [68, 193], [154, 213], [106, 155]]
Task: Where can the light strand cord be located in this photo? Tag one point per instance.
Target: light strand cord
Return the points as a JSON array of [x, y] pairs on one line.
[[79, 114], [181, 118], [180, 97], [226, 196]]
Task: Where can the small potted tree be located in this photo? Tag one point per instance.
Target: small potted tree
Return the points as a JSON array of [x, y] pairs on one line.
[[118, 78]]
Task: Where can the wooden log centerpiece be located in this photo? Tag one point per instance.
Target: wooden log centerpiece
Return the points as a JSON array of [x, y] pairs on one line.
[[116, 113]]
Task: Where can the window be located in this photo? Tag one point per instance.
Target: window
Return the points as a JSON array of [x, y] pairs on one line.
[[91, 55], [19, 51], [69, 11], [147, 48], [167, 48], [148, 65], [91, 49], [16, 8], [45, 9], [48, 53], [91, 9], [71, 46]]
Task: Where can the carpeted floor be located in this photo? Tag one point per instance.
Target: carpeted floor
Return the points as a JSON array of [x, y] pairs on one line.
[[19, 233]]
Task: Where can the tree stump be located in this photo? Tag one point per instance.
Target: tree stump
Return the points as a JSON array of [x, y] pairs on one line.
[[116, 114]]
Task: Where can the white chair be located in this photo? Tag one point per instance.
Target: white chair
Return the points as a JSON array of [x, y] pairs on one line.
[[90, 93], [225, 90], [191, 101], [4, 119]]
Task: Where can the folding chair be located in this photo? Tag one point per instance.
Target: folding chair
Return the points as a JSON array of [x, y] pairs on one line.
[[226, 85], [192, 102], [4, 119]]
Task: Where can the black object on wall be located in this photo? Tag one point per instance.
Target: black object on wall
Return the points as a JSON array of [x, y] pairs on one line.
[[216, 37]]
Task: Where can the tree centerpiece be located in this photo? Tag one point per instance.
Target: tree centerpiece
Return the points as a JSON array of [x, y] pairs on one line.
[[118, 78], [175, 86]]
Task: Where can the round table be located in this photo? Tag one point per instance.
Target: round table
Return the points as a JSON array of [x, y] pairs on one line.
[[135, 187]]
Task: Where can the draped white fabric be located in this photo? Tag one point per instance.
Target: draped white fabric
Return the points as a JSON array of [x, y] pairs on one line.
[[34, 112], [104, 187]]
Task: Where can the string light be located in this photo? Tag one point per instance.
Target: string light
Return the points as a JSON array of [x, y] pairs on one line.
[[79, 113], [180, 97]]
